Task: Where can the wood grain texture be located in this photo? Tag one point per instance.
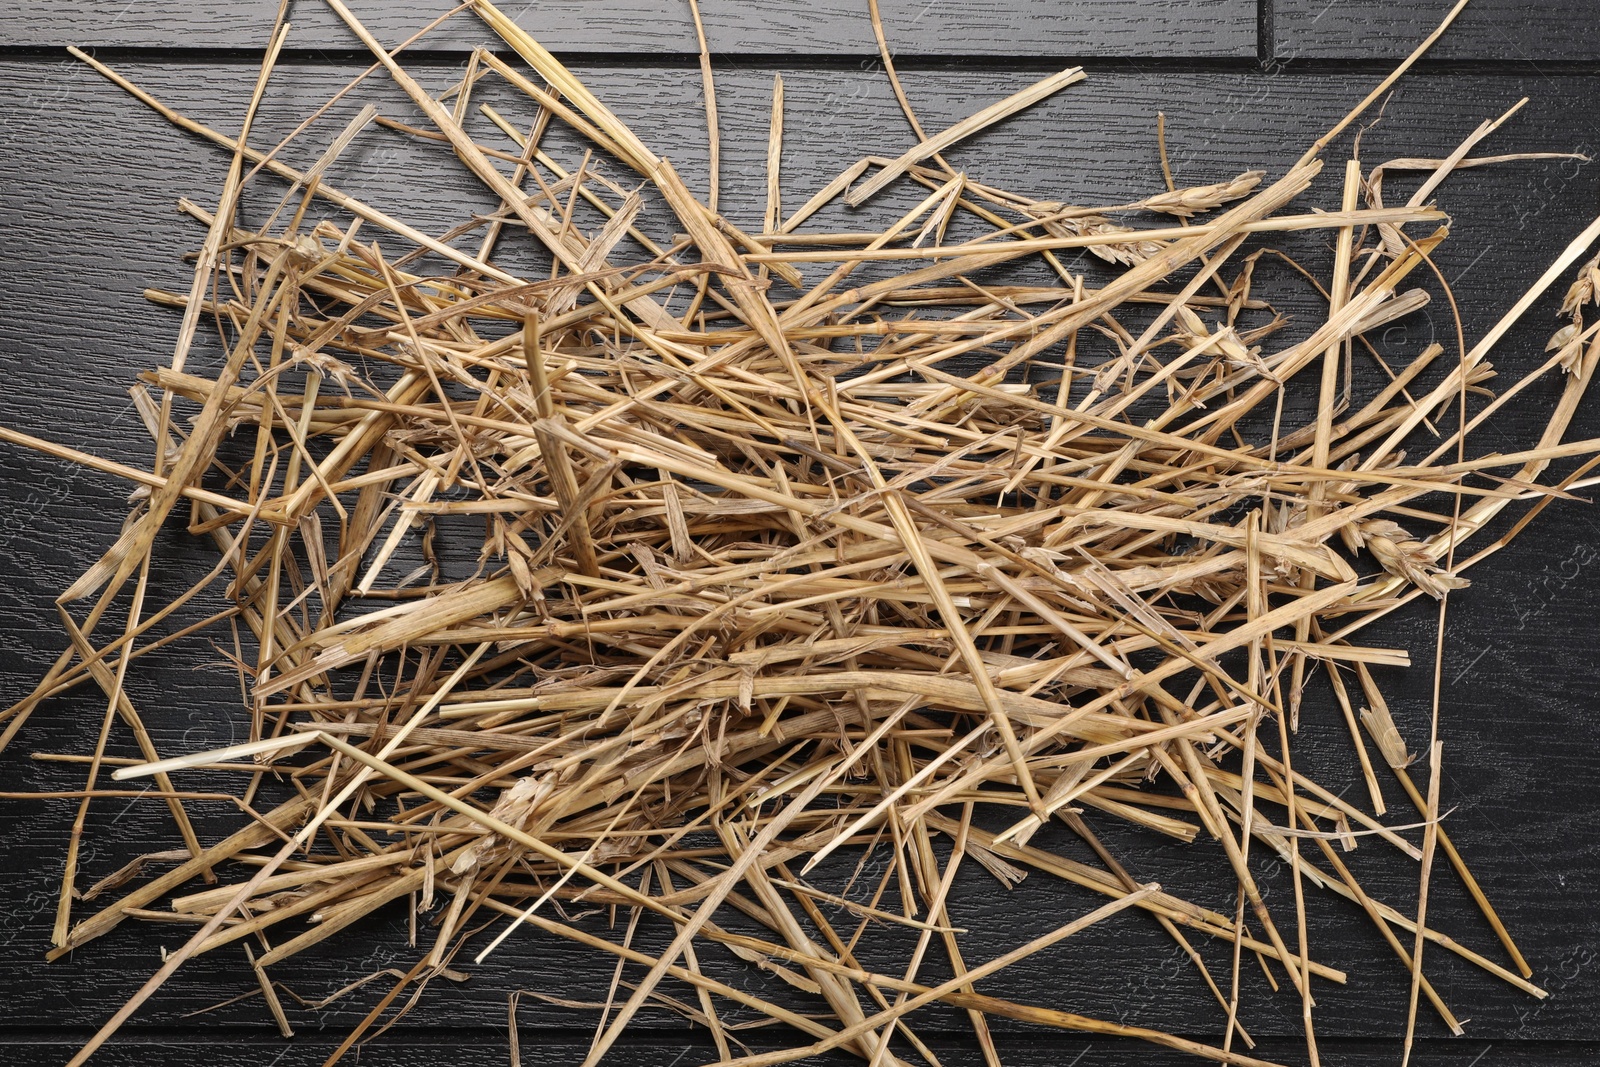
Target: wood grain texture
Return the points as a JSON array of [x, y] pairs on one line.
[[540, 1049], [87, 182], [1515, 30], [734, 28]]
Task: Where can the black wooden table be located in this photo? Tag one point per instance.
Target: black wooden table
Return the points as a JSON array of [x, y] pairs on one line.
[[88, 180]]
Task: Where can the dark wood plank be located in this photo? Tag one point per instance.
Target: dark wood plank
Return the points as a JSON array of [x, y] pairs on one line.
[[543, 1049], [781, 27], [1518, 30], [87, 178]]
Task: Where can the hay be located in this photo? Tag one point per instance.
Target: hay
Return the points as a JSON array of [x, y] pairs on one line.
[[852, 548]]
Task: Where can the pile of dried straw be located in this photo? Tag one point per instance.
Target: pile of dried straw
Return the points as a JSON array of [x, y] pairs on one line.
[[793, 542]]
